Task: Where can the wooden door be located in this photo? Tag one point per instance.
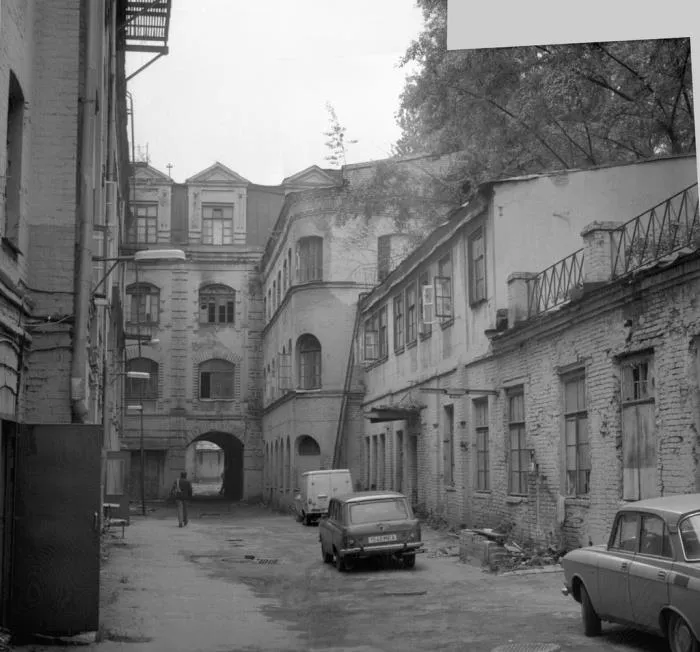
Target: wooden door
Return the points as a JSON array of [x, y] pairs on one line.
[[116, 478], [56, 542]]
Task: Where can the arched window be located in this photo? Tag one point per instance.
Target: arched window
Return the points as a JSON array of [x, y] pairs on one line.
[[289, 264], [275, 295], [217, 304], [309, 259], [216, 379], [279, 288], [309, 362], [308, 446], [144, 303], [138, 388]]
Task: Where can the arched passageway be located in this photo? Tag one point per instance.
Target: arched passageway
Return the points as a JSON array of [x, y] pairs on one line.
[[232, 448]]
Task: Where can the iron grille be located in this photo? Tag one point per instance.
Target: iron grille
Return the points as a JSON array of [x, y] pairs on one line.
[[664, 229], [553, 286], [147, 23]]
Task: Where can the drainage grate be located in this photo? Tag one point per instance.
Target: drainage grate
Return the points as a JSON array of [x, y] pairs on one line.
[[267, 561], [527, 647]]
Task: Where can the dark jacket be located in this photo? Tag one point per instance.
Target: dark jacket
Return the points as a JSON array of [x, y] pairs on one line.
[[182, 488]]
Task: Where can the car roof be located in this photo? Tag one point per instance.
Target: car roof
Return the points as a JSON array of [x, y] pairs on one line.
[[360, 496], [670, 507]]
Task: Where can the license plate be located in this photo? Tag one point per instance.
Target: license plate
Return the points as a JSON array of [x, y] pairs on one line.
[[383, 538]]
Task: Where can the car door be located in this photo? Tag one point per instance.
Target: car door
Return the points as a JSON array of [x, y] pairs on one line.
[[650, 571], [614, 567]]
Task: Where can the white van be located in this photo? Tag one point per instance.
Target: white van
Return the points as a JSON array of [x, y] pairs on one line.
[[317, 488]]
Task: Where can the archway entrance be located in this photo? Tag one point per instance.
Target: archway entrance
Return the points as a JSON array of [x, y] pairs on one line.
[[231, 464]]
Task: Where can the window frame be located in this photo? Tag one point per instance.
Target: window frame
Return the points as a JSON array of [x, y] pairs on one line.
[[482, 443], [152, 300], [398, 322], [581, 445], [149, 222], [444, 291], [411, 305], [478, 292], [139, 389], [519, 427], [201, 371], [310, 359], [309, 267], [426, 327], [217, 296], [209, 234]]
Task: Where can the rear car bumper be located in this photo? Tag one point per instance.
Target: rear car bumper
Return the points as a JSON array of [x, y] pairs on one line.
[[383, 549]]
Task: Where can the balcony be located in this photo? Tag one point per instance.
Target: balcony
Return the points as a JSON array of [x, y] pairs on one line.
[[147, 25]]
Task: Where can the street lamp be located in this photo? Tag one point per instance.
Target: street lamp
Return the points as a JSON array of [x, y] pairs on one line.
[[145, 255]]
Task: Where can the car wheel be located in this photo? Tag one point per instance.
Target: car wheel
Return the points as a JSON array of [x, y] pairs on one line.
[[307, 519], [680, 636], [591, 621], [339, 562], [409, 561]]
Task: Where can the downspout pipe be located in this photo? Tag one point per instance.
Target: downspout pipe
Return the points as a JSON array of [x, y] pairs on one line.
[[83, 272]]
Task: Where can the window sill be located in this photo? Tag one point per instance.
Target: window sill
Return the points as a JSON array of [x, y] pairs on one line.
[[516, 500], [482, 493], [399, 350], [425, 336], [451, 489], [216, 400], [371, 364], [12, 248], [204, 324], [447, 323], [477, 302], [577, 501], [412, 344]]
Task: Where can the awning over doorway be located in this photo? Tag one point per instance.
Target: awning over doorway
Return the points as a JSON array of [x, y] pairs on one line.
[[392, 413]]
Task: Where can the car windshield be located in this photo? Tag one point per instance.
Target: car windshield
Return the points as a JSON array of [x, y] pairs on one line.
[[378, 510], [690, 536]]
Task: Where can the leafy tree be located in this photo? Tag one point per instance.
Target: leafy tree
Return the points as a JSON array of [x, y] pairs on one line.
[[511, 111]]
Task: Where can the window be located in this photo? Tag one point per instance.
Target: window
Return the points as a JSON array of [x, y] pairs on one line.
[[639, 478], [217, 304], [519, 454], [383, 336], [284, 367], [443, 289], [625, 533], [137, 388], [144, 303], [371, 344], [308, 446], [289, 264], [309, 362], [285, 275], [216, 379], [654, 539], [449, 445], [477, 267], [217, 224], [269, 303], [13, 163], [481, 426], [378, 510], [578, 456], [310, 259], [411, 313], [426, 304], [279, 288], [398, 322], [144, 228], [689, 529], [275, 295]]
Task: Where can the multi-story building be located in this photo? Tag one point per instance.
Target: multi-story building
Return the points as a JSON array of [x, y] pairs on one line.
[[197, 326], [64, 182], [321, 257], [463, 415]]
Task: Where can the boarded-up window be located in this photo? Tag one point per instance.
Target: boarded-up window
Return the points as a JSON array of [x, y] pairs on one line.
[[578, 456], [638, 429], [519, 454], [481, 426], [448, 444]]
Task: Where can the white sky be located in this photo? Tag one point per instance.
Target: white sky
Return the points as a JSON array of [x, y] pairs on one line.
[[246, 83]]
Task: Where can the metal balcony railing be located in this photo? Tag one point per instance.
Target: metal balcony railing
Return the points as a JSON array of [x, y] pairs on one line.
[[553, 286], [664, 229]]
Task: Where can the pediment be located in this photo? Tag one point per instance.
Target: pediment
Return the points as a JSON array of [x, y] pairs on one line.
[[311, 177], [145, 173], [218, 174]]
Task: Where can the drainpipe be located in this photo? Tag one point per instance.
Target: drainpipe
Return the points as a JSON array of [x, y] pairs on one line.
[[83, 273]]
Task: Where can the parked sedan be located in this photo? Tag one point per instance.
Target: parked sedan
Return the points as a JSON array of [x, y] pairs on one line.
[[369, 524], [647, 576]]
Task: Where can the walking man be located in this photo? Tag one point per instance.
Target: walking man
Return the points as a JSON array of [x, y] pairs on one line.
[[182, 489]]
